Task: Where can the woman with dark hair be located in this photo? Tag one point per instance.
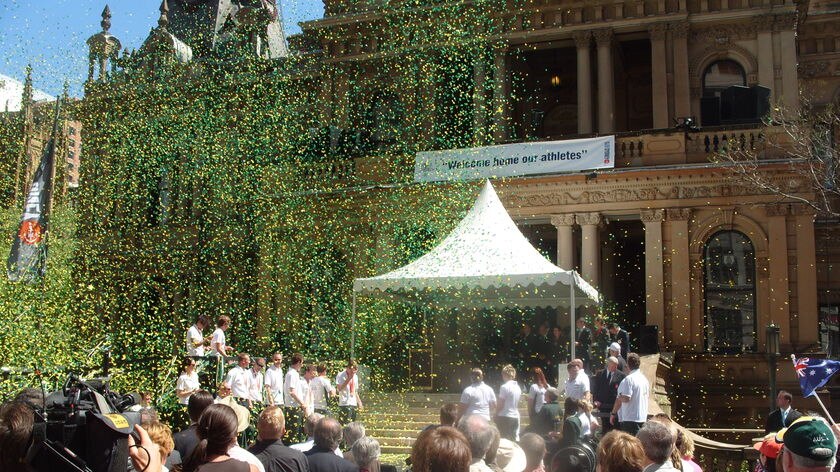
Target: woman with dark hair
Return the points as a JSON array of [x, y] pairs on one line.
[[536, 395], [216, 435], [441, 449], [188, 381]]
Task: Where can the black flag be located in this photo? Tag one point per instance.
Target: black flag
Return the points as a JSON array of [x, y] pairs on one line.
[[27, 260]]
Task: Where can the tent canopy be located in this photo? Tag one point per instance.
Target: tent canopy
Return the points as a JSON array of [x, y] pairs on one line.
[[485, 262]]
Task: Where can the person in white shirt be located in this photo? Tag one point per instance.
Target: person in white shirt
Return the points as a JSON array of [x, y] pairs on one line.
[[321, 389], [507, 408], [294, 401], [218, 343], [257, 382], [240, 381], [274, 380], [195, 338], [478, 398], [347, 385], [577, 386], [536, 394], [631, 406], [187, 383], [306, 390]]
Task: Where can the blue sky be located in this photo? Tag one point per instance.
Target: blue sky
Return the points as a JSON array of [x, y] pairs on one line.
[[51, 34]]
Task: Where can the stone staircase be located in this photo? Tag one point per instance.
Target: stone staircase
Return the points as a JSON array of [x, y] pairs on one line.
[[395, 419]]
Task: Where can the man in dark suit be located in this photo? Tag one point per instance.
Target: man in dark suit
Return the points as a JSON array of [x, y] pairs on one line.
[[605, 391], [583, 343], [322, 456], [270, 450], [784, 416], [620, 336], [186, 440]]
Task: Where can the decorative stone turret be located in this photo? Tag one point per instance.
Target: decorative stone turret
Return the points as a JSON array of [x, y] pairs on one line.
[[103, 47]]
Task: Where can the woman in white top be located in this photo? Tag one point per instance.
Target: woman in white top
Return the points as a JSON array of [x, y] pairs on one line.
[[536, 395], [507, 406], [188, 381], [588, 423]]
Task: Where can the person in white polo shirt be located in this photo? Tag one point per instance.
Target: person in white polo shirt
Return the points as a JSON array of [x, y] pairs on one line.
[[478, 398], [274, 381], [195, 336], [507, 408], [347, 385], [631, 407], [239, 380], [577, 386], [295, 403]]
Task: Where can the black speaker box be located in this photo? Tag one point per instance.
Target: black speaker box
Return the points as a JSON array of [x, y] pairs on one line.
[[649, 339]]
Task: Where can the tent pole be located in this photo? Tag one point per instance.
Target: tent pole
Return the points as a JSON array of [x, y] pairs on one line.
[[572, 316], [353, 329]]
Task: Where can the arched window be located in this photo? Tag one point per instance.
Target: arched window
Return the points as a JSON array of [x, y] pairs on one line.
[[729, 287], [721, 75]]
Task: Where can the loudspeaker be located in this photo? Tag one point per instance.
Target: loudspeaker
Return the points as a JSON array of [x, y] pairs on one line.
[[744, 104], [710, 111], [649, 339]]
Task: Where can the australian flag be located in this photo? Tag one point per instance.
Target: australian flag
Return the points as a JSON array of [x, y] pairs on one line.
[[814, 373], [27, 259]]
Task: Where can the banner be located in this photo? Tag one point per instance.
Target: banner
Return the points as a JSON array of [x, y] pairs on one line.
[[510, 160], [27, 259]]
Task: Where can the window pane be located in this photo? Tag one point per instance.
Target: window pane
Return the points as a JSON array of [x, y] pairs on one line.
[[730, 293]]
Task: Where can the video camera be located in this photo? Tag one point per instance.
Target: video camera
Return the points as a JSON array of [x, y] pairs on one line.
[[83, 427]]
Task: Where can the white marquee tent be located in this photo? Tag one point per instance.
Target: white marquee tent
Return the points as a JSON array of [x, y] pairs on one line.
[[485, 262]]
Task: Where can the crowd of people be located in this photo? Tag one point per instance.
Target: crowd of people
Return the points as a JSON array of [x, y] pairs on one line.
[[274, 421]]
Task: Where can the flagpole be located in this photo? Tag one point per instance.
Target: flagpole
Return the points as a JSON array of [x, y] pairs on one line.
[[816, 395]]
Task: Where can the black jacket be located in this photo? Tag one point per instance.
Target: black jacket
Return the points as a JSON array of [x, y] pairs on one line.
[[774, 420], [186, 441], [277, 457], [326, 461], [604, 390], [622, 337]]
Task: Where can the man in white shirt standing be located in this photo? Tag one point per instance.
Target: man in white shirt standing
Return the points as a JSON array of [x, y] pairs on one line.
[[507, 410], [478, 398], [274, 380], [218, 344], [577, 386], [195, 337], [347, 385], [257, 382], [295, 403], [631, 407], [321, 389], [240, 381]]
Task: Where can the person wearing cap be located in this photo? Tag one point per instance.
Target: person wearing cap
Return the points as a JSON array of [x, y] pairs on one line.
[[605, 390], [614, 350], [768, 450], [808, 445], [784, 415]]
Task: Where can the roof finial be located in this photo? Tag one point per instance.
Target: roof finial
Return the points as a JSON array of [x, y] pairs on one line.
[[106, 19], [164, 11]]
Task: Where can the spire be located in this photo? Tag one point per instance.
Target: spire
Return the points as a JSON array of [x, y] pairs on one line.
[[106, 19], [164, 14]]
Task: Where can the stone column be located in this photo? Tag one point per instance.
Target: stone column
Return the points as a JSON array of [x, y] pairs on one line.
[[590, 247], [682, 81], [500, 93], [606, 81], [565, 242], [764, 42], [777, 262], [654, 272], [786, 27], [659, 74], [479, 100], [583, 41], [806, 277], [682, 329]]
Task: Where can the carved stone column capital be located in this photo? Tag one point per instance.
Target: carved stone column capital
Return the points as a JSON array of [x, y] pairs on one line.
[[764, 23], [680, 29], [567, 219], [780, 209], [652, 216], [604, 36], [679, 214], [801, 209], [785, 22], [657, 31], [588, 219], [582, 39]]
